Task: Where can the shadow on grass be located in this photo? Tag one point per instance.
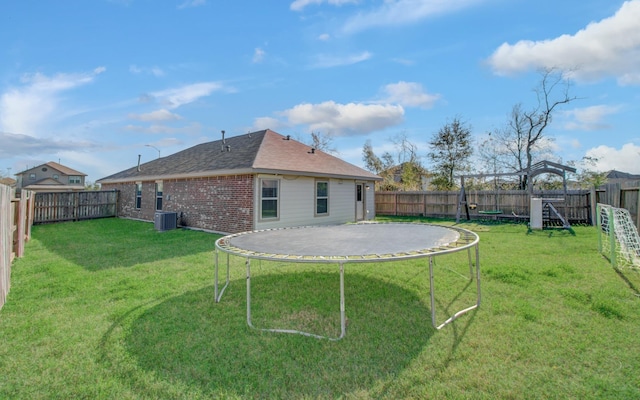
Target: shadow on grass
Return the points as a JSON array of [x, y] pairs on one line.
[[114, 243], [190, 341]]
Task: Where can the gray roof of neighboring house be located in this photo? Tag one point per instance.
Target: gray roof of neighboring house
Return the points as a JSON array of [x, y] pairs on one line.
[[613, 174], [258, 152]]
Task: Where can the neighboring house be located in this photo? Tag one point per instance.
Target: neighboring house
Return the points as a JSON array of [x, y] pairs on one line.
[[51, 177], [259, 180], [623, 178]]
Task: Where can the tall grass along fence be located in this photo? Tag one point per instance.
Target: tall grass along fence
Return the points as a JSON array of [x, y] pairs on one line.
[[75, 206], [16, 219]]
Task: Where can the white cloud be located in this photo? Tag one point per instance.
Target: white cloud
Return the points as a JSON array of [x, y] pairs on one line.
[[402, 12], [155, 71], [589, 118], [608, 47], [29, 108], [267, 123], [158, 115], [324, 37], [299, 5], [345, 119], [327, 61], [24, 145], [258, 55], [409, 94], [625, 159], [174, 98], [191, 3]]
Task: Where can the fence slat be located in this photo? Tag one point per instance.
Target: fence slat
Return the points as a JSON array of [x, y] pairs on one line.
[[74, 206]]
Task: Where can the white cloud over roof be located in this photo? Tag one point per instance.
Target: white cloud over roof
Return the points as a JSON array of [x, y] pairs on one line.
[[345, 119]]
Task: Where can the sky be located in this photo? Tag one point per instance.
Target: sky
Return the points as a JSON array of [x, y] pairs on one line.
[[93, 84]]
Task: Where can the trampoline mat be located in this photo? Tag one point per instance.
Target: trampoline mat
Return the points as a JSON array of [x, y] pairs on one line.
[[346, 240]]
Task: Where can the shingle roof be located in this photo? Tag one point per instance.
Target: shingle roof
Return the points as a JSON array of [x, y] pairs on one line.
[[258, 152], [613, 174], [59, 167]]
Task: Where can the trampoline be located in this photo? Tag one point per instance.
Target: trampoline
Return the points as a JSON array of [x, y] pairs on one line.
[[349, 243]]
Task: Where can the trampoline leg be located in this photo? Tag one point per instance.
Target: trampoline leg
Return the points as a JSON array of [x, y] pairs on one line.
[[218, 295], [432, 294], [464, 311], [343, 319], [478, 275], [248, 264]]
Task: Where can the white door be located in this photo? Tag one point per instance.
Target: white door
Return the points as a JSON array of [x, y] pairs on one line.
[[359, 201]]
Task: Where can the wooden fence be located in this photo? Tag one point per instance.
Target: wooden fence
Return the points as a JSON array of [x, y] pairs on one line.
[[16, 219], [510, 204], [622, 196], [578, 205], [75, 206]]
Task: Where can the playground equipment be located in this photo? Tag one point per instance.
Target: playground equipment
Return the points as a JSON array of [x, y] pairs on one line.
[[546, 209]]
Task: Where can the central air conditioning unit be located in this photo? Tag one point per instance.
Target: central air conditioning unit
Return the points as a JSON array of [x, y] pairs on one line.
[[164, 220]]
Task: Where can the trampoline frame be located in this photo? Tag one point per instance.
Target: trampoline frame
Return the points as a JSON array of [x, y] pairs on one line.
[[467, 240]]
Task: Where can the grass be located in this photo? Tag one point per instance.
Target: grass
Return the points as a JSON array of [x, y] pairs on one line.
[[112, 309]]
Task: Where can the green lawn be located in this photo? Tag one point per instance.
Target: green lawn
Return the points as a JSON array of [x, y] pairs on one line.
[[113, 309]]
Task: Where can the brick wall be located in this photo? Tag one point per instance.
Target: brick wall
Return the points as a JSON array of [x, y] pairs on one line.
[[221, 204]]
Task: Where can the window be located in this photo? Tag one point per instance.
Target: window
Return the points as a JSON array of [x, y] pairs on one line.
[[158, 196], [138, 195], [74, 179], [32, 177], [56, 176], [322, 197], [269, 198]]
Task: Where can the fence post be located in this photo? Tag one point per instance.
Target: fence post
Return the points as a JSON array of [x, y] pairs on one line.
[[22, 223]]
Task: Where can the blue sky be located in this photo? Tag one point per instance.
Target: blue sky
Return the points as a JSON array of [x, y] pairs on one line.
[[92, 84]]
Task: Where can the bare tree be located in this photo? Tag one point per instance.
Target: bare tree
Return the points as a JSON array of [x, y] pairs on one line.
[[323, 142], [450, 153], [523, 139]]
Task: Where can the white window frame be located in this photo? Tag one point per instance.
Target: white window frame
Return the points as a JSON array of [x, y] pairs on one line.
[[263, 198], [323, 197], [138, 195], [159, 197]]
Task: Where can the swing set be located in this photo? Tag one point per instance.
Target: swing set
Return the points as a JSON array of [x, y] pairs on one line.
[[535, 170]]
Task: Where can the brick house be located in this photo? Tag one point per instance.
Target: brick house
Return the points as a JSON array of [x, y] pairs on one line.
[[259, 180], [51, 177]]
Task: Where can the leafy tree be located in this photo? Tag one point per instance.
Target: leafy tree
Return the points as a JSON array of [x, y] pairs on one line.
[[450, 153], [402, 172], [91, 186], [587, 176]]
